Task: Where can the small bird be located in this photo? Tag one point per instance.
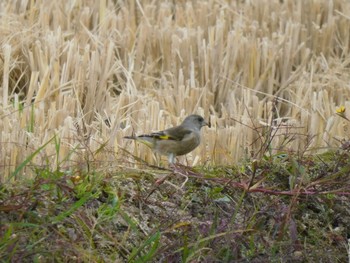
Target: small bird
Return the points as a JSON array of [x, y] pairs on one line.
[[178, 140]]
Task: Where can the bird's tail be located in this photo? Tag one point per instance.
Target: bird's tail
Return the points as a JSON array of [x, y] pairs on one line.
[[143, 139], [130, 137]]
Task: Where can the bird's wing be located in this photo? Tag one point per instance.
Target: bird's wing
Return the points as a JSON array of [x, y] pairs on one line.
[[176, 133]]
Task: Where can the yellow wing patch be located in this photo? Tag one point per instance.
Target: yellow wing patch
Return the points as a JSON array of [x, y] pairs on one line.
[[164, 137]]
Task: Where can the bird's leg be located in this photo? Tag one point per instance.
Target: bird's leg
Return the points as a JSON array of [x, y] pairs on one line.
[[171, 159]]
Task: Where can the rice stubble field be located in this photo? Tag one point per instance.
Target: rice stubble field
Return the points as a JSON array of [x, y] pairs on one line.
[[270, 180]]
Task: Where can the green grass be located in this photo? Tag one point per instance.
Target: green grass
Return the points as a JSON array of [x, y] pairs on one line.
[[283, 208], [272, 78]]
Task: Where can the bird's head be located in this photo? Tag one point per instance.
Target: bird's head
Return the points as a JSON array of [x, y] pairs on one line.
[[195, 121]]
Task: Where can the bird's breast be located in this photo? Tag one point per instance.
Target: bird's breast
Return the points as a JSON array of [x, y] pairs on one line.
[[181, 147]]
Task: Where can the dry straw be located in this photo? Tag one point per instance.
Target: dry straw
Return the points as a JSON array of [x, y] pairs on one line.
[[256, 68]]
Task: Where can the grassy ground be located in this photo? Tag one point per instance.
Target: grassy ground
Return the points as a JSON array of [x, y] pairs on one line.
[[270, 181], [284, 208]]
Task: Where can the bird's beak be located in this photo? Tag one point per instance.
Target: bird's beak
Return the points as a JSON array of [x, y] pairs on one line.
[[207, 123]]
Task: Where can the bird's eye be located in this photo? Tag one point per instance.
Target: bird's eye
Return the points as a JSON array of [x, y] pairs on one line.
[[200, 119]]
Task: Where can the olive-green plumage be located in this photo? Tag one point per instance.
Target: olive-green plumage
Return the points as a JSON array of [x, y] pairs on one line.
[[177, 140]]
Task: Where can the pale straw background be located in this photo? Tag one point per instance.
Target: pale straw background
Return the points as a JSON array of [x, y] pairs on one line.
[[253, 68]]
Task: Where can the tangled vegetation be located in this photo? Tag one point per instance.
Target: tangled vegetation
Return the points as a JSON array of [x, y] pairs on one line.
[[270, 181]]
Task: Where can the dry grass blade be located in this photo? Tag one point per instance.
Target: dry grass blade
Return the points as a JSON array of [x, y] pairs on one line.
[[125, 62], [272, 169]]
